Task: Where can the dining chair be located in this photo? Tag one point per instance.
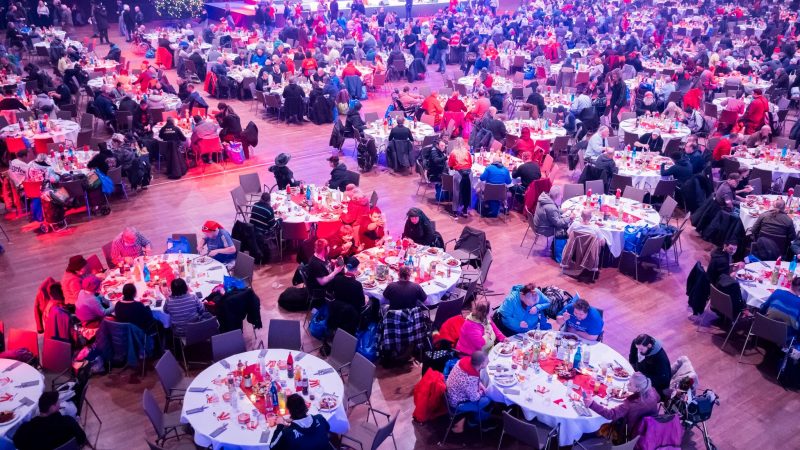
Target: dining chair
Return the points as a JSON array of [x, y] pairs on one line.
[[194, 334], [190, 237], [343, 349], [572, 190], [652, 246], [635, 194], [770, 330], [667, 209], [446, 310], [596, 186], [23, 339], [371, 437], [227, 344], [163, 424], [524, 432], [172, 379], [358, 389], [71, 444], [284, 334], [56, 361], [244, 267]]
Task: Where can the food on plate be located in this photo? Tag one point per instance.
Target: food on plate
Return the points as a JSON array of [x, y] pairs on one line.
[[620, 394], [569, 337], [452, 262], [506, 349], [433, 250], [328, 403], [6, 416], [243, 418], [620, 372], [505, 379], [745, 276]]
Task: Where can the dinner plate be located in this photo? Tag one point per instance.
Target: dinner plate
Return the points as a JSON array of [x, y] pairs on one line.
[[392, 260], [506, 380]]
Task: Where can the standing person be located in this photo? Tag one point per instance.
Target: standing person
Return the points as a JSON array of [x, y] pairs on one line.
[[409, 5], [460, 160], [648, 357], [138, 16], [101, 17], [618, 98], [283, 175], [128, 22]]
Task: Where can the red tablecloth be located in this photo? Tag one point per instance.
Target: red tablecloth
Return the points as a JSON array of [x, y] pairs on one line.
[[585, 382]]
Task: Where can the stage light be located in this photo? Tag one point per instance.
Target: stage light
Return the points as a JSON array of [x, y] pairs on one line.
[[182, 9]]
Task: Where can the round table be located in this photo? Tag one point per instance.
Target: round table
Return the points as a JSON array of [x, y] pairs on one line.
[[202, 274], [67, 43], [748, 82], [291, 208], [781, 171], [645, 170], [644, 125], [239, 73], [549, 398], [436, 280], [207, 389], [377, 131], [538, 133], [613, 230], [720, 107], [480, 160], [65, 130], [17, 384], [78, 164], [499, 83], [555, 101], [506, 58], [278, 90], [365, 71], [754, 281], [186, 128], [101, 66], [756, 205]]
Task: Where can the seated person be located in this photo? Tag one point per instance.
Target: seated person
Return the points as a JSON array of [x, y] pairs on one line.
[[523, 310], [371, 228], [628, 414], [527, 172], [303, 431], [170, 132], [262, 216], [478, 331], [435, 160], [584, 224], [317, 271], [344, 244], [581, 319], [348, 298], [465, 391], [681, 169], [128, 245], [218, 244], [548, 219], [418, 227], [183, 307], [91, 307], [128, 310], [403, 293], [775, 222], [784, 306], [651, 142], [648, 357], [726, 195], [50, 429]]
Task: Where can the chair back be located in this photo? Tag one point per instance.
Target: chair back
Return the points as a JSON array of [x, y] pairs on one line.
[[772, 330], [665, 188], [667, 209], [522, 431], [362, 375], [791, 183], [634, 193], [630, 445], [239, 197], [190, 237], [284, 334], [169, 372], [779, 240], [620, 182], [56, 355], [197, 332], [547, 165], [343, 347], [486, 263], [227, 344], [447, 182], [370, 117], [383, 433], [74, 188], [497, 192], [446, 310], [32, 189], [153, 412], [115, 175], [71, 444], [244, 267], [18, 338], [652, 246], [250, 183], [597, 186], [208, 146], [721, 302], [107, 255], [755, 183], [155, 115], [572, 190]]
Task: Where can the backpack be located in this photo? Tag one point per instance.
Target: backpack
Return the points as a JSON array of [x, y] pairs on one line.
[[558, 299], [293, 299]]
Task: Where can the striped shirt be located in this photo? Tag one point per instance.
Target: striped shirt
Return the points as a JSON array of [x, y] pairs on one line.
[[120, 251], [182, 310]]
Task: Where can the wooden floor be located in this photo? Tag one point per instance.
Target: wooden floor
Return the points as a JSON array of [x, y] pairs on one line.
[[754, 413]]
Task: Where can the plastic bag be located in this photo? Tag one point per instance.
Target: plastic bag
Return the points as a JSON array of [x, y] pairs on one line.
[[318, 325], [235, 152], [634, 238], [368, 342], [231, 283], [178, 245]]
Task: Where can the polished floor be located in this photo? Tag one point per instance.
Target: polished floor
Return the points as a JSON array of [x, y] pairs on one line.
[[755, 412]]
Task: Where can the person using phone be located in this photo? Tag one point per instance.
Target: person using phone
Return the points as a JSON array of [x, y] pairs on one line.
[[183, 307]]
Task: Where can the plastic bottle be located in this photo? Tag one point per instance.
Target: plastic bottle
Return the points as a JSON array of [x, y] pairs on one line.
[[290, 366], [776, 271], [146, 274], [305, 383], [262, 366], [273, 394], [576, 361], [298, 380]]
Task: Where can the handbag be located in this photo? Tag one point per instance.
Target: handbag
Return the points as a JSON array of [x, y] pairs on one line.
[[180, 245], [235, 152], [558, 248], [92, 180]]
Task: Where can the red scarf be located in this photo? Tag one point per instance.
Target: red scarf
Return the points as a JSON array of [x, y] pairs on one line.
[[465, 365]]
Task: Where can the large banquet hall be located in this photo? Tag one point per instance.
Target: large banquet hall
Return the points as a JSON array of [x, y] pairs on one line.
[[399, 224]]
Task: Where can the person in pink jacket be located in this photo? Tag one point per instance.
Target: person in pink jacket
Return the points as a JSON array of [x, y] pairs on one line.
[[478, 332]]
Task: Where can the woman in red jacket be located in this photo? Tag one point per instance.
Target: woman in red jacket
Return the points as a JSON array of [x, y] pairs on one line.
[[754, 116]]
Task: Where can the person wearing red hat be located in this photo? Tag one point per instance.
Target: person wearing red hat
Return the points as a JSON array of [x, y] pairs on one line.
[[218, 243]]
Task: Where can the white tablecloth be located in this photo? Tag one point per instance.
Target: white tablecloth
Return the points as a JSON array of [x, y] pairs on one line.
[[205, 422], [514, 127], [376, 131], [644, 177], [9, 382], [780, 171], [67, 43], [756, 291], [185, 129], [291, 212], [239, 73], [68, 131], [435, 288], [203, 275], [681, 132], [81, 159], [541, 406], [749, 212], [499, 83], [613, 230]]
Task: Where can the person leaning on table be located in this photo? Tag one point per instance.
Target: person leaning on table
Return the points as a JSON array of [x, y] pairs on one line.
[[625, 417], [304, 431], [581, 319]]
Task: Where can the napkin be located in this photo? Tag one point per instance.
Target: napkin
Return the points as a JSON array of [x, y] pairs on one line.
[[12, 366], [215, 268], [299, 356], [198, 389], [325, 371], [219, 431], [262, 353], [215, 281], [196, 410], [511, 391], [264, 437], [441, 285], [28, 384], [225, 364]]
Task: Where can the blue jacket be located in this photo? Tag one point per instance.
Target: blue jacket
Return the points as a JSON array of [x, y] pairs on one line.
[[496, 173], [514, 311], [261, 60]]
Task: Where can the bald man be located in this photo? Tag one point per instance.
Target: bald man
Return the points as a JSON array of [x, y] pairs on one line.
[[775, 222], [128, 245]]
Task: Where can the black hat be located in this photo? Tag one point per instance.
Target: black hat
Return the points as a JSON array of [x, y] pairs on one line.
[[282, 159], [76, 263]]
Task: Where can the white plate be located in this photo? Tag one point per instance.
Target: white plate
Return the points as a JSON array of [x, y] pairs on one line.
[[505, 381], [392, 260]]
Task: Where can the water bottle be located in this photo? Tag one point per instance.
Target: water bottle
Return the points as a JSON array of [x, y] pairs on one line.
[[793, 265], [576, 362], [783, 152], [146, 274]]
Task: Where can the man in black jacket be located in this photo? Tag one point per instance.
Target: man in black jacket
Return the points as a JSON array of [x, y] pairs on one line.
[[400, 132], [231, 126], [49, 429], [294, 97], [681, 170], [339, 173], [495, 126], [527, 173], [605, 162], [721, 262]]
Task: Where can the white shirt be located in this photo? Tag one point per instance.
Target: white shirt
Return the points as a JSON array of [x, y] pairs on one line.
[[595, 146]]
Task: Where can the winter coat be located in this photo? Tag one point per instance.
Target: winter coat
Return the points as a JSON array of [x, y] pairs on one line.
[[472, 336], [547, 219], [654, 366], [514, 311]]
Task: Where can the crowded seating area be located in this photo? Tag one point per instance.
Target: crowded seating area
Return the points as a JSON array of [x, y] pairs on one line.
[[359, 224]]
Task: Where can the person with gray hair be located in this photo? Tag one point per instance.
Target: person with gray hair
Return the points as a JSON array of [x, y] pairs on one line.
[[465, 392], [548, 219], [775, 223], [128, 245], [642, 402]]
